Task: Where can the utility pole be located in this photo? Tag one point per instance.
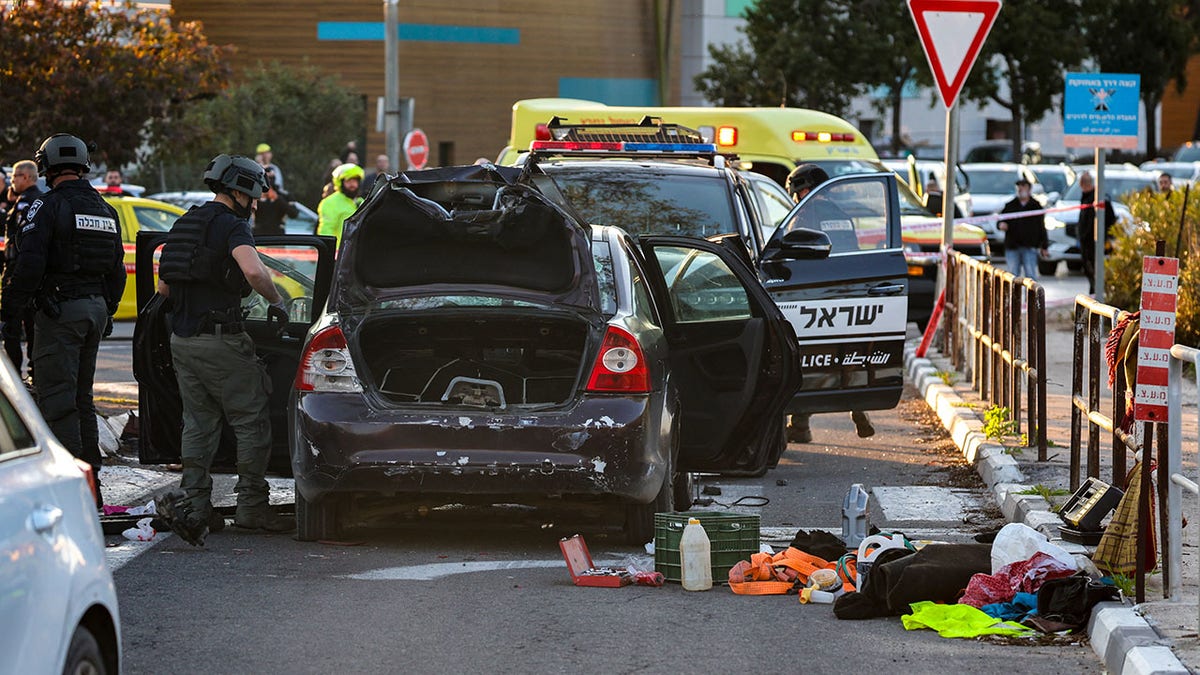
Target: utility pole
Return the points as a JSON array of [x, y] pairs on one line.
[[393, 128]]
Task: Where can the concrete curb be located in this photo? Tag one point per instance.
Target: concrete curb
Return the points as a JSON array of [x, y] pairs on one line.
[[1125, 642]]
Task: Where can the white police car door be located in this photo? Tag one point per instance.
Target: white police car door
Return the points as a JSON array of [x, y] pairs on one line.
[[302, 268], [849, 310]]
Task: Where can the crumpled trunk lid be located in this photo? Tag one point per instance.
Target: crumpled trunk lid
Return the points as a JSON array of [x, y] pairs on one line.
[[458, 231]]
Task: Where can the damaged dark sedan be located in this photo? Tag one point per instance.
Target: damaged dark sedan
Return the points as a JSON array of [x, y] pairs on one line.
[[480, 344]]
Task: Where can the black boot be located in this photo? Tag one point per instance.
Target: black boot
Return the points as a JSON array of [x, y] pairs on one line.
[[862, 423], [172, 506], [798, 430]]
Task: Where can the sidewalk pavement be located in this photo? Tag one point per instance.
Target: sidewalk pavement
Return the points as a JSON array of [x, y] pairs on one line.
[[1157, 636]]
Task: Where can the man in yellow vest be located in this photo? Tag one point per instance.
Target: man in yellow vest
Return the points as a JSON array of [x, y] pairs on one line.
[[337, 207]]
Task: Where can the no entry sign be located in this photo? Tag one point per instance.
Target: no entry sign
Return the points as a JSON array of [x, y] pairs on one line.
[[416, 149], [1160, 283]]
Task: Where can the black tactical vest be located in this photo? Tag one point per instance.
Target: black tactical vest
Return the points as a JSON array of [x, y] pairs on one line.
[[89, 246], [188, 257]]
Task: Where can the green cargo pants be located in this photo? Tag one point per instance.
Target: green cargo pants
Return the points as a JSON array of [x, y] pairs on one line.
[[64, 358], [220, 378]]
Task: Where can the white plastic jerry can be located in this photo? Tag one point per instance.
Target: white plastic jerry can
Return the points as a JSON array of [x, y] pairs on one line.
[[695, 557], [855, 516]]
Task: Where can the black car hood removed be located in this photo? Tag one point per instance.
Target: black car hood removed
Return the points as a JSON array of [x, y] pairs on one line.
[[465, 230]]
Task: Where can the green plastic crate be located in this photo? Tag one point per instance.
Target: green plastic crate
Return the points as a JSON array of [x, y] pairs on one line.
[[732, 537]]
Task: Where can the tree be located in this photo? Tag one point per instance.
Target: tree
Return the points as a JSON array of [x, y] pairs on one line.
[[885, 52], [1152, 38], [303, 113], [97, 70], [795, 56], [1031, 46]]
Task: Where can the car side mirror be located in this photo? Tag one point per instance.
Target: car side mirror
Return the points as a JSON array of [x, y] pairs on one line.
[[1053, 197], [800, 244]]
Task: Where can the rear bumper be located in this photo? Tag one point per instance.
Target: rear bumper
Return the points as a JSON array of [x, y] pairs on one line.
[[600, 446]]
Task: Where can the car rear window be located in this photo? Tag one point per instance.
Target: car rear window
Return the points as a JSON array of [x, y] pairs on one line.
[[1118, 187], [993, 181], [649, 202]]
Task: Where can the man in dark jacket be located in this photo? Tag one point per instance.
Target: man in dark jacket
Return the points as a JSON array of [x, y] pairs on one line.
[[274, 207], [1087, 226], [1025, 237], [21, 194]]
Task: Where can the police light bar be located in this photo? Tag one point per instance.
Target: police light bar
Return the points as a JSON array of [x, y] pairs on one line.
[[623, 146]]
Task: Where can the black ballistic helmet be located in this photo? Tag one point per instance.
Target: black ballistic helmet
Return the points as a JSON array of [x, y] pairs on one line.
[[226, 172], [62, 151], [805, 176]]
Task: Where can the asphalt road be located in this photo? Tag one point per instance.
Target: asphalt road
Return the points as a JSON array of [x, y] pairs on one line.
[[485, 590]]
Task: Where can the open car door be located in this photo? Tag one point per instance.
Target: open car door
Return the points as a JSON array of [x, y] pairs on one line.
[[301, 266], [733, 358], [849, 309]]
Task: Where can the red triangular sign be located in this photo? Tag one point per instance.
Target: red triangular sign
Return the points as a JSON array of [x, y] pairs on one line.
[[952, 33]]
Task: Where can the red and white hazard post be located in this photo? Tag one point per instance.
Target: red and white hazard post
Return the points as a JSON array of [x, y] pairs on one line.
[[1160, 284]]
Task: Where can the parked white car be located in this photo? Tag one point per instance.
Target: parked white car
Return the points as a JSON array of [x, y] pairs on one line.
[[58, 605]]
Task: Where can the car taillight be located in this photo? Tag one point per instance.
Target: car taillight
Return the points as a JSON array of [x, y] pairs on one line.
[[620, 366], [326, 365], [88, 475]]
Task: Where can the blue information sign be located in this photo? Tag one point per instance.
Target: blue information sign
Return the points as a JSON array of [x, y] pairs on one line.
[[1101, 110]]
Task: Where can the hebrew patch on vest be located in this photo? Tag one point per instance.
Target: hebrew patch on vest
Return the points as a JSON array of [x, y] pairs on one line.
[[96, 224]]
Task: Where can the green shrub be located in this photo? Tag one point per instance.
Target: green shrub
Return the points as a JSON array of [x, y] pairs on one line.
[[997, 422], [1158, 218]]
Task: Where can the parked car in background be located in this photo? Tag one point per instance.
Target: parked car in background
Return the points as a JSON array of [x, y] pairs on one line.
[[1055, 179], [304, 222], [916, 173], [992, 186], [1001, 151], [58, 605], [1188, 152], [1180, 172], [1063, 229]]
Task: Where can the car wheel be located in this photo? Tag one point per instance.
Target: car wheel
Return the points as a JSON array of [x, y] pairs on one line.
[[639, 518], [83, 656], [1047, 268], [316, 520]]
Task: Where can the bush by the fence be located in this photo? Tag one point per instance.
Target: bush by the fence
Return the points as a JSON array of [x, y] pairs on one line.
[[1159, 217]]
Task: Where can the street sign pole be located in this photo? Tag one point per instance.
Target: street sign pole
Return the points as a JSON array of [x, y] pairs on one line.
[[951, 162], [391, 104], [952, 33], [1099, 231]]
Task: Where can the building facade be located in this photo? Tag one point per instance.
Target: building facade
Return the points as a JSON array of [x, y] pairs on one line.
[[463, 62]]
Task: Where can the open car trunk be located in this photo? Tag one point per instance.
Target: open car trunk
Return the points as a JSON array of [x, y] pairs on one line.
[[516, 360]]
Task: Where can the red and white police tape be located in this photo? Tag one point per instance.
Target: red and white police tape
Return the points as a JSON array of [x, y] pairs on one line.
[[995, 217], [1160, 287]]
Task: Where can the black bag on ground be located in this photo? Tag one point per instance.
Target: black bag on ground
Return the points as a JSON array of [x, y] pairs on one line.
[[819, 543], [899, 577], [1070, 600]]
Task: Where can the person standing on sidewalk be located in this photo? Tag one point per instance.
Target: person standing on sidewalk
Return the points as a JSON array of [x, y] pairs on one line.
[[208, 265], [1086, 229], [70, 266], [21, 194], [1025, 238]]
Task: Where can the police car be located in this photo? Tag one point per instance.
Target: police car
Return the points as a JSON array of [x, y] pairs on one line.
[[848, 307]]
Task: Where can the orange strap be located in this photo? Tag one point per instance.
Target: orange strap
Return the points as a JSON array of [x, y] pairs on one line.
[[767, 574]]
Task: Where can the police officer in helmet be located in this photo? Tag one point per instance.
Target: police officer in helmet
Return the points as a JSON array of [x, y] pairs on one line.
[[208, 265], [70, 266]]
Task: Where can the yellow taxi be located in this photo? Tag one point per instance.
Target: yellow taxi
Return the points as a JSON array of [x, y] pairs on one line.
[[138, 214]]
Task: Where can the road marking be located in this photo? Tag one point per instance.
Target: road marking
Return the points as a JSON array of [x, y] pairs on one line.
[[118, 556], [433, 571]]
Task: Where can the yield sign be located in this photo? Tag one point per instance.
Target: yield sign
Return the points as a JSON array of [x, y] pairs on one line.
[[952, 33]]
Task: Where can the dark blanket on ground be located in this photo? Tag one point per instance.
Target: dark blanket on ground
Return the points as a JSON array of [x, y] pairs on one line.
[[898, 577]]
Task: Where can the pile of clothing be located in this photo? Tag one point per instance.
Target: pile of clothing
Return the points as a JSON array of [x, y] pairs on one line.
[[1018, 584]]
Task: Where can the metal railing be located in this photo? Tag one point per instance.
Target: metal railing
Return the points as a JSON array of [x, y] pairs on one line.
[[996, 330], [1093, 322], [1174, 460]]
